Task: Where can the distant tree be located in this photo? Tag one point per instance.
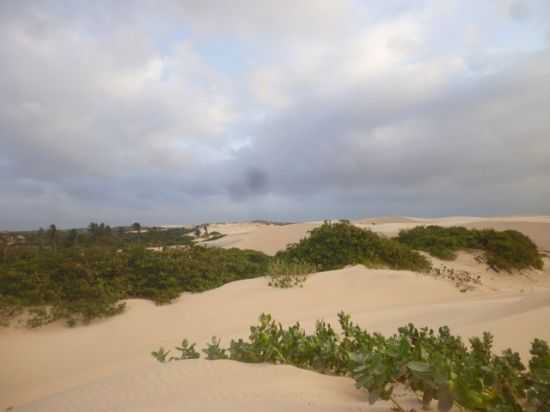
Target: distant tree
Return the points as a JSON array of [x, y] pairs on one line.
[[136, 226], [205, 226]]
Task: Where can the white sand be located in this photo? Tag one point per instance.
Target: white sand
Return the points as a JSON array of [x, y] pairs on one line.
[[107, 366]]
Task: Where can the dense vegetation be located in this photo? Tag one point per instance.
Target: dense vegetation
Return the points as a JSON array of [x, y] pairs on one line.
[[506, 250], [79, 284], [95, 235], [438, 366], [335, 245], [79, 275]]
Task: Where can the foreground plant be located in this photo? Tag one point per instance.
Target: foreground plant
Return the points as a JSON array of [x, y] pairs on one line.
[[214, 351], [437, 366]]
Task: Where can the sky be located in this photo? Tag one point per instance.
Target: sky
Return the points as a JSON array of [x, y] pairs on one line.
[[172, 112]]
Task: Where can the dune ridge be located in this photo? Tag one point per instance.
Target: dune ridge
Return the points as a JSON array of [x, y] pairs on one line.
[[107, 366]]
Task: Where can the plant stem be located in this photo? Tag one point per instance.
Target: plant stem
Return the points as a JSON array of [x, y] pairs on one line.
[[396, 404]]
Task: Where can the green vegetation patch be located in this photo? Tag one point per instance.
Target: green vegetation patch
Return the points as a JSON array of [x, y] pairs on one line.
[[437, 366], [80, 284], [506, 250], [336, 245], [284, 274]]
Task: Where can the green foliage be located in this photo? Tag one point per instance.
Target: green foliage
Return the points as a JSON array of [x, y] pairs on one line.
[[538, 393], [161, 355], [285, 274], [510, 250], [335, 245], [506, 250], [214, 351], [98, 235], [186, 350], [80, 284], [436, 365]]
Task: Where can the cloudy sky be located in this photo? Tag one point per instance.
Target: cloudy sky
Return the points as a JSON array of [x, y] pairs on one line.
[[208, 110]]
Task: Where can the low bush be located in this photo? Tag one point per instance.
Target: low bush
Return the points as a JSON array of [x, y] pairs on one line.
[[437, 365], [284, 274], [506, 250], [214, 351], [336, 245], [82, 284]]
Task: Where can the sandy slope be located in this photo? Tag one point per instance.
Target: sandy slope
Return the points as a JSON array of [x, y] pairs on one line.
[[266, 238], [107, 367]]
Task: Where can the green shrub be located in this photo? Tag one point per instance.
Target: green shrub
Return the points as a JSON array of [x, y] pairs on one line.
[[161, 355], [510, 250], [214, 351], [186, 350], [505, 250], [336, 245], [437, 365], [81, 284], [285, 274]]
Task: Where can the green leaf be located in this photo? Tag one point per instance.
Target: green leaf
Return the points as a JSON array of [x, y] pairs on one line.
[[419, 367]]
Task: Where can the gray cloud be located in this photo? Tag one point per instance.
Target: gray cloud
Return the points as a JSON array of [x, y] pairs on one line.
[[110, 113]]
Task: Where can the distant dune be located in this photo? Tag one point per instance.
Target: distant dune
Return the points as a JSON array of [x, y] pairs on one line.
[[107, 366], [270, 239]]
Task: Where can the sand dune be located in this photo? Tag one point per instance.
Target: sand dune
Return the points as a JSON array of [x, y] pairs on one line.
[[270, 238], [107, 366], [54, 368], [266, 238]]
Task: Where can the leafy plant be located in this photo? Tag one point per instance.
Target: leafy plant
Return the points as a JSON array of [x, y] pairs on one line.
[[538, 393], [214, 351], [161, 355], [187, 351], [284, 274], [438, 366]]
